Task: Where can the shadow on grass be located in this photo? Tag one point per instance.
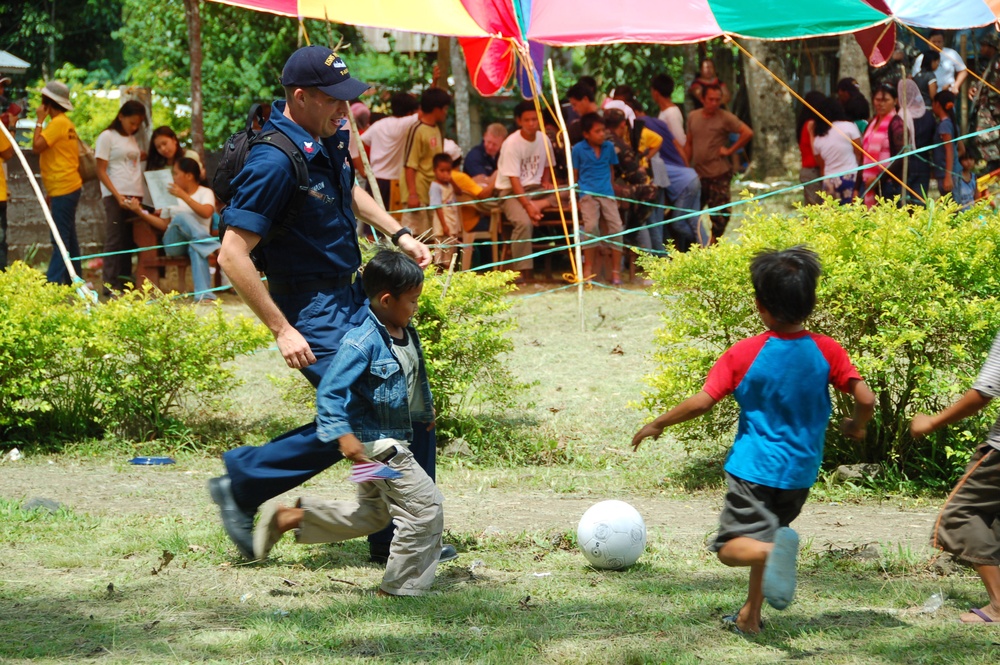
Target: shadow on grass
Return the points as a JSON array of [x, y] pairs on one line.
[[641, 616]]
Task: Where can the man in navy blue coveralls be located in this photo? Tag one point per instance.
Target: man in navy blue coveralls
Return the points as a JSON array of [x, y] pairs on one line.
[[313, 295]]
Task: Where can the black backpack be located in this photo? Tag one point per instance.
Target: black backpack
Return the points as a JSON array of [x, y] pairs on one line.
[[234, 155]]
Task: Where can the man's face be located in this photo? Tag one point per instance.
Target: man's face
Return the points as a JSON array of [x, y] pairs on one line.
[[581, 106], [708, 70], [318, 113], [492, 144], [528, 122], [713, 100], [938, 41]]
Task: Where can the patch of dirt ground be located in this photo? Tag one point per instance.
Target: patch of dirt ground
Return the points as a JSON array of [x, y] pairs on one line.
[[102, 488]]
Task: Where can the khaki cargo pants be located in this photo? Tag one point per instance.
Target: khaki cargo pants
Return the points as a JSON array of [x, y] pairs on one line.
[[412, 502]]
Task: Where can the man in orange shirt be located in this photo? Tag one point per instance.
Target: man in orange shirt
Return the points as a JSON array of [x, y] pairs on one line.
[[57, 148]]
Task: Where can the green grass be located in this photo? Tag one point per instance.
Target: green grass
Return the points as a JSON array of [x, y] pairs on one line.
[[80, 584]]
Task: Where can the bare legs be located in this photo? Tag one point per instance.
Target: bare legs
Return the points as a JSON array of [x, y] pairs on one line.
[[743, 552], [990, 575]]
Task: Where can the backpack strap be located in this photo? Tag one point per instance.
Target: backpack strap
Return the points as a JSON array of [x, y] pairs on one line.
[[256, 113], [280, 141]]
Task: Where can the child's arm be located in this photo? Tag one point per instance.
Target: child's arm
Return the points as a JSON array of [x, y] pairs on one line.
[[692, 407], [864, 408], [352, 449], [970, 403]]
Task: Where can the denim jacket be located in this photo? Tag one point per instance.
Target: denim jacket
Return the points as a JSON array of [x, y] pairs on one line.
[[364, 390]]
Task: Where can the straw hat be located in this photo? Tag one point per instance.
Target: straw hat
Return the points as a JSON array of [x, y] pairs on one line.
[[58, 92]]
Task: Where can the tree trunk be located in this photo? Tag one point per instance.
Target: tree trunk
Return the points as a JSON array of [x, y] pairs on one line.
[[772, 117], [192, 12], [853, 63], [463, 128]]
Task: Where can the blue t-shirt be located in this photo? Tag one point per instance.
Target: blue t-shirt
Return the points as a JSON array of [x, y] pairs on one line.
[[946, 127], [594, 171], [964, 191], [479, 162], [780, 382], [322, 242], [668, 151]]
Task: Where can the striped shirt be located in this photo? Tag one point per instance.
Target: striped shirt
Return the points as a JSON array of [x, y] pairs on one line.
[[988, 384]]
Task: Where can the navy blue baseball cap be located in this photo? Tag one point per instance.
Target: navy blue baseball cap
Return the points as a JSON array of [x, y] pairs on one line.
[[319, 67]]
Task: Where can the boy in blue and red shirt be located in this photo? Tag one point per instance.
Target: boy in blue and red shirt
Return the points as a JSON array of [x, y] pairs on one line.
[[779, 379]]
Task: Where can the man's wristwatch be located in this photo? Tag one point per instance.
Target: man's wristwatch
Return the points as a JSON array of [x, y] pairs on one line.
[[399, 234]]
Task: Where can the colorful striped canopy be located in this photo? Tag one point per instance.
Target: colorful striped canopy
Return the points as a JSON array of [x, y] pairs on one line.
[[491, 30], [579, 22]]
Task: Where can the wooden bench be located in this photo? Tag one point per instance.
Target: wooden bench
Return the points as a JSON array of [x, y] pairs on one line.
[[167, 273]]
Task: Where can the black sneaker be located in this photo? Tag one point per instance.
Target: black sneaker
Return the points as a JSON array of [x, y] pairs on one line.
[[379, 553], [237, 522]]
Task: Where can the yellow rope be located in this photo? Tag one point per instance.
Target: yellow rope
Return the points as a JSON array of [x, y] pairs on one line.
[[529, 67], [819, 115]]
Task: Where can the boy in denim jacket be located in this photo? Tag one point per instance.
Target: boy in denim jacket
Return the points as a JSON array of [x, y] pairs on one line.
[[375, 387]]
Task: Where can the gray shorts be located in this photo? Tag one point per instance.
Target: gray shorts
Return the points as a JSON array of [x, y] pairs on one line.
[[969, 523], [756, 511]]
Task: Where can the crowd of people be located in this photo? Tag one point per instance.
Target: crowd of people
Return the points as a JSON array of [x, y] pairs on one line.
[[663, 168], [120, 167], [908, 136]]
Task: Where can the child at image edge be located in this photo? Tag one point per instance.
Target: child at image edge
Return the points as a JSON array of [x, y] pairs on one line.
[[969, 523], [779, 379], [375, 387]]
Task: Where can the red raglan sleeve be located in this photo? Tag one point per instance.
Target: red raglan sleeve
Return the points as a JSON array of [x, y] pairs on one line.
[[842, 371], [729, 370]]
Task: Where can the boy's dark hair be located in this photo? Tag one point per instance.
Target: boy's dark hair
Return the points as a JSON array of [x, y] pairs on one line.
[[588, 121], [403, 104], [857, 108], [785, 282], [390, 271], [663, 84], [624, 92], [522, 108], [189, 166], [441, 158], [705, 87], [433, 99], [581, 91], [613, 119]]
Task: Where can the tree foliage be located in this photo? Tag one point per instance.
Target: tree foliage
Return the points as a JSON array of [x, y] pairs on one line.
[[49, 33]]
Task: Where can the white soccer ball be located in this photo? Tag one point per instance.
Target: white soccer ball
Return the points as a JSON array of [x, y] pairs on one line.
[[612, 535]]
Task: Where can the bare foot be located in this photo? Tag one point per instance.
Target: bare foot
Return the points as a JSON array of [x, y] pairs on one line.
[[749, 621], [988, 614]]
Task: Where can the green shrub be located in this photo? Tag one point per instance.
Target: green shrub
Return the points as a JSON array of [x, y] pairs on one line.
[[151, 350], [68, 370], [39, 326], [910, 294]]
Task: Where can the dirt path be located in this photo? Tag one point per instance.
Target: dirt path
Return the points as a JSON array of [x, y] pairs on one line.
[[101, 489]]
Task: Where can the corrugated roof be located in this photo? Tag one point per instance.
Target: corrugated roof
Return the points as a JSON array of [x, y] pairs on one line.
[[11, 64]]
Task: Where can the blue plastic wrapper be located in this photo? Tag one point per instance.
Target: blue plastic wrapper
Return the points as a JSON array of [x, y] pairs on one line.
[[151, 461]]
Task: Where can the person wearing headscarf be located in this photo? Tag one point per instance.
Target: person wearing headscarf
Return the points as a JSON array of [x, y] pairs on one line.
[[918, 133]]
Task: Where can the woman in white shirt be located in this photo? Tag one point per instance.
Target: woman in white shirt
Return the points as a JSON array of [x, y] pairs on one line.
[[187, 231], [119, 168], [837, 151]]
